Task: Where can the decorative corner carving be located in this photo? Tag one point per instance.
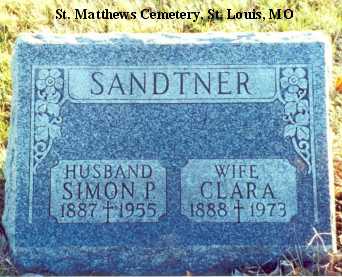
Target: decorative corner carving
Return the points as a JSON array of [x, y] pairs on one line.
[[294, 94], [49, 92]]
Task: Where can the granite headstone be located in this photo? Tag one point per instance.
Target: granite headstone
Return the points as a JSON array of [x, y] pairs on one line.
[[165, 153]]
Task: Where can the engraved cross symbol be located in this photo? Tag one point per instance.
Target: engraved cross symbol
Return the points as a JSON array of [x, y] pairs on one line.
[[108, 207], [238, 207]]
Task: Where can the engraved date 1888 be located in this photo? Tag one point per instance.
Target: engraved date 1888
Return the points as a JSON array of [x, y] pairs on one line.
[[233, 209]]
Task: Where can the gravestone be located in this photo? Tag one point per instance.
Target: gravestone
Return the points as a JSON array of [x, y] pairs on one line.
[[161, 154]]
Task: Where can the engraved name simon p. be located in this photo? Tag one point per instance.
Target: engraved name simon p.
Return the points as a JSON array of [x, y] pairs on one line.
[[160, 83], [107, 192]]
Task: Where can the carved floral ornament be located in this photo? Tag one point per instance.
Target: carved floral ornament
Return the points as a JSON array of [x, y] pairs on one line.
[[49, 87], [47, 120], [294, 93]]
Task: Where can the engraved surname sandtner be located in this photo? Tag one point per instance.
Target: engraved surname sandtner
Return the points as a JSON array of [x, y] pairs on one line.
[[220, 82], [193, 84]]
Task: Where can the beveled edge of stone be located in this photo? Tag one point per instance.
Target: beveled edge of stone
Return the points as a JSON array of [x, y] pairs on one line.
[[9, 212], [328, 86], [174, 38]]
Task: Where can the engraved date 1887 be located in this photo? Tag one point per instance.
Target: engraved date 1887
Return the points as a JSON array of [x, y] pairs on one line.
[[112, 210]]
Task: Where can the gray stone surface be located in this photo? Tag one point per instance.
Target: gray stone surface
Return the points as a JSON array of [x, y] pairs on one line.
[[161, 154]]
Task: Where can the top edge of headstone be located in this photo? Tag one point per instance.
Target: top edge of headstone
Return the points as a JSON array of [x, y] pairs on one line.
[[173, 38]]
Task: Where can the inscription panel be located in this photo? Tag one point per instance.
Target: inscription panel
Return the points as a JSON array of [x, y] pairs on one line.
[[158, 84], [107, 191], [239, 190]]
